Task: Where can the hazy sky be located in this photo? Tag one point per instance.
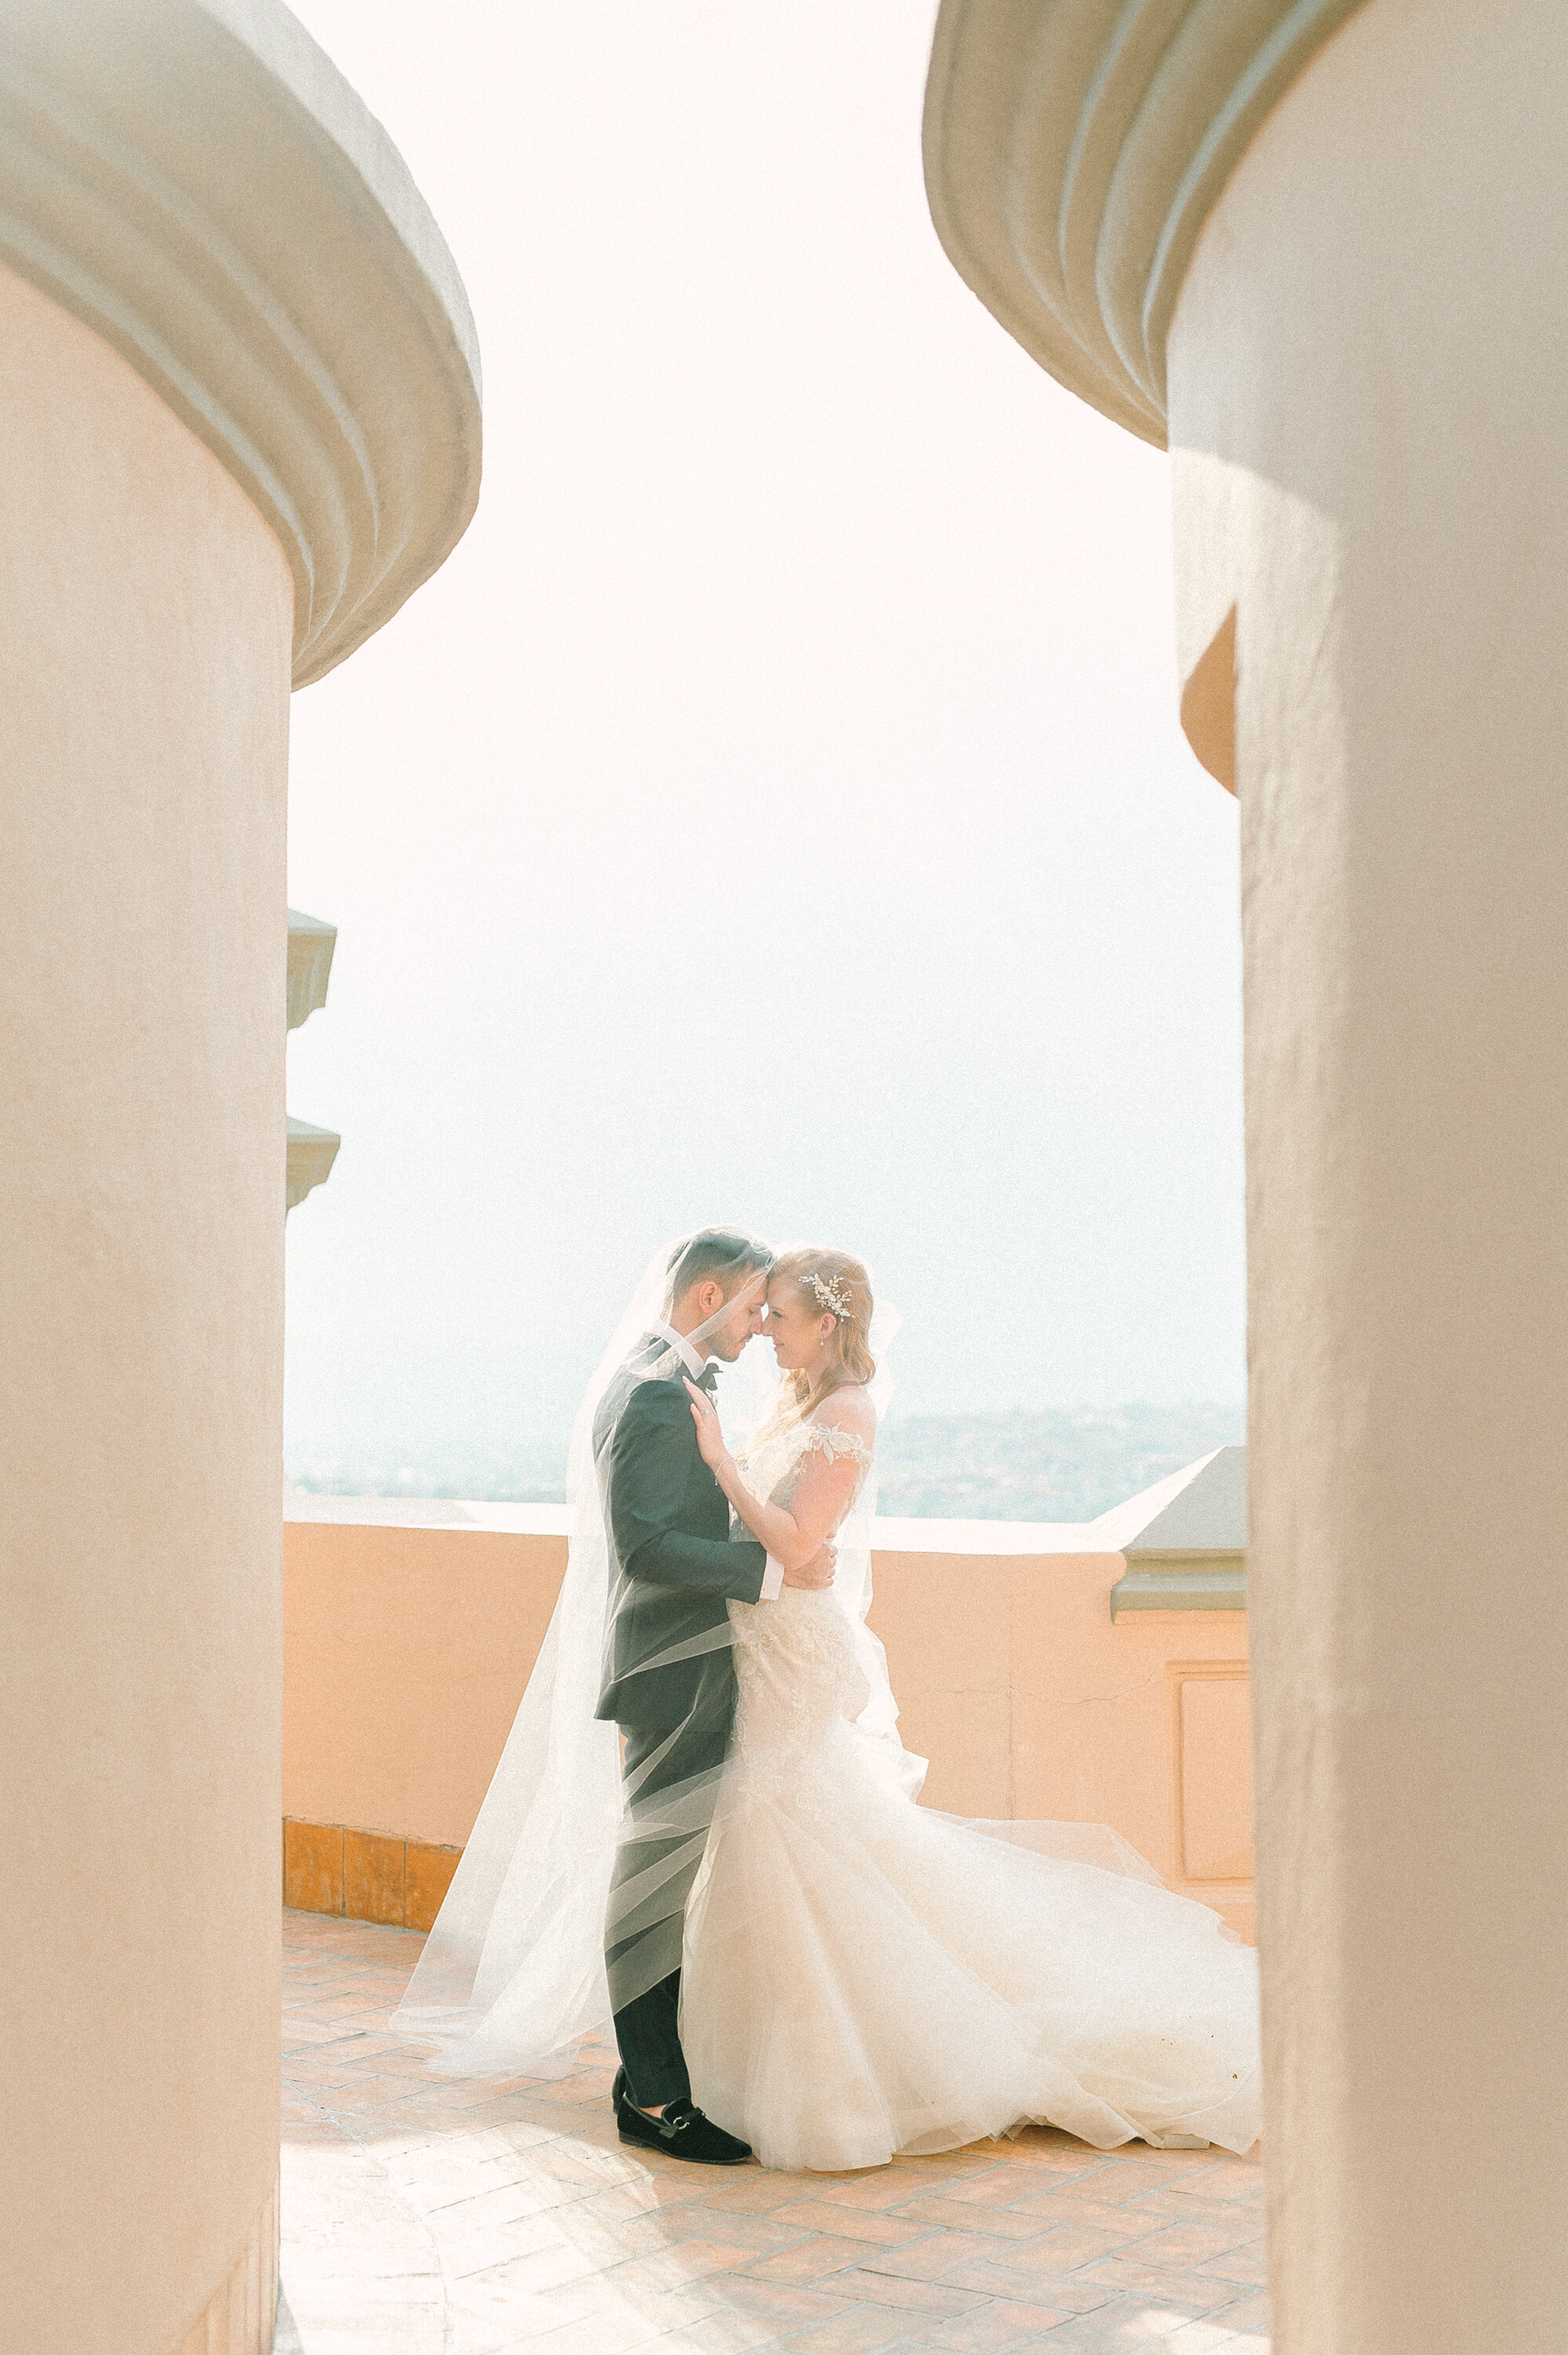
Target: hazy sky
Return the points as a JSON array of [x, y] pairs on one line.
[[775, 811]]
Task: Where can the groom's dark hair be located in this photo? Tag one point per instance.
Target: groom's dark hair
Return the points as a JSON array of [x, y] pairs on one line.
[[722, 1254]]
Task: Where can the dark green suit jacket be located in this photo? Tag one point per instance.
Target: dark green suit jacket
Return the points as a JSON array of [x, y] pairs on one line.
[[672, 1563]]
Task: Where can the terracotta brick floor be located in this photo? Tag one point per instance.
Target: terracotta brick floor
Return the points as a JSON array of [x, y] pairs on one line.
[[423, 2216]]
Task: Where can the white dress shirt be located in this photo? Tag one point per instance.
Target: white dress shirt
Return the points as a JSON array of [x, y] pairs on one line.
[[773, 1574]]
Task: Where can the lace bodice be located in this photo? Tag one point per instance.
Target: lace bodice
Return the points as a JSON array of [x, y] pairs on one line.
[[796, 1670]]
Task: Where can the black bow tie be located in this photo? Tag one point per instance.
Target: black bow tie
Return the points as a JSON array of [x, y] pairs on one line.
[[708, 1379]]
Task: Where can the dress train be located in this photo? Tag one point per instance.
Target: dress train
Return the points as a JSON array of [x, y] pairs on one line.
[[864, 1975]]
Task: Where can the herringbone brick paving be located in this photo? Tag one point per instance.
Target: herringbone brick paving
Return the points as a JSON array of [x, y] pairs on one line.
[[425, 2216]]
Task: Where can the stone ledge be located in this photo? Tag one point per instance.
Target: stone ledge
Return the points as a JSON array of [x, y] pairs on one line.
[[1182, 1582], [1192, 1554]]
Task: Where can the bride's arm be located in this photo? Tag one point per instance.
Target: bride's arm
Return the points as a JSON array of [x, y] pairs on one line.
[[793, 1533]]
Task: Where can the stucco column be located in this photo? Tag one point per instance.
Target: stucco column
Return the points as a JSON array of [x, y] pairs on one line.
[[145, 620], [239, 424], [1368, 373], [1317, 247]]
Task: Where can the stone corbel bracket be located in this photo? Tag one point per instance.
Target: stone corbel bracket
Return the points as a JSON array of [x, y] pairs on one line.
[[311, 945], [198, 184], [311, 1154], [310, 1151], [1074, 150]]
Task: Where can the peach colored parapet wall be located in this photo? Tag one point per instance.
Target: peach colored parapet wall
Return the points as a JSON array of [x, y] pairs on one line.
[[406, 1649]]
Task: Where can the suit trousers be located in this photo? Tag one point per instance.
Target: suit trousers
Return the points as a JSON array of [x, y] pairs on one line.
[[645, 2028]]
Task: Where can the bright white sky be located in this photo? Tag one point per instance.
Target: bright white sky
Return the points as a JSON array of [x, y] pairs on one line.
[[775, 811]]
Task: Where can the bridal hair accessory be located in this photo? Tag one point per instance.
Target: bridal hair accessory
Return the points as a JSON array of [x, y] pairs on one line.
[[833, 1293]]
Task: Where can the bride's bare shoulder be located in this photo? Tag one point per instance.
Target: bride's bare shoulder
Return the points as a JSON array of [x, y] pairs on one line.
[[849, 1408]]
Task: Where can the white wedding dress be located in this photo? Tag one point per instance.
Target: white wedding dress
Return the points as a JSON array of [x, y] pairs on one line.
[[864, 1975]]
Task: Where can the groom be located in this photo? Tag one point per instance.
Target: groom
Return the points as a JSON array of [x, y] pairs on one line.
[[669, 1679]]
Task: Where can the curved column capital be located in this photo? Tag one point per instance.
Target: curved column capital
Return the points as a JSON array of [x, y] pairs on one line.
[[1074, 150], [197, 182]]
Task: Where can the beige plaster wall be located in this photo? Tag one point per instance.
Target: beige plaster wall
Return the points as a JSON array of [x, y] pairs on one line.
[[1368, 411], [406, 1651], [145, 622]]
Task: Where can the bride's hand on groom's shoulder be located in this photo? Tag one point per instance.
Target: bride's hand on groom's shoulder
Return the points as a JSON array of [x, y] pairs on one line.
[[710, 1438]]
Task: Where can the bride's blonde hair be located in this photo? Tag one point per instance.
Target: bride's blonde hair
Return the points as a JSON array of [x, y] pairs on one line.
[[839, 1285]]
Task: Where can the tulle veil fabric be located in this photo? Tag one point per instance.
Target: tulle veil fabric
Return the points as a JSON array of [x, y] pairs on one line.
[[513, 1973]]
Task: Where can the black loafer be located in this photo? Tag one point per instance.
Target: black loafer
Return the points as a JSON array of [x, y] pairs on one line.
[[680, 2131]]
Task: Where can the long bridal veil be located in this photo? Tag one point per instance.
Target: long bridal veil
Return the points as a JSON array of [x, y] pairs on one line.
[[514, 1973]]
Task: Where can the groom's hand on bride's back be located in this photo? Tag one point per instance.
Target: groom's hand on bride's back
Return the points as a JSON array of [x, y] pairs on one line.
[[818, 1572]]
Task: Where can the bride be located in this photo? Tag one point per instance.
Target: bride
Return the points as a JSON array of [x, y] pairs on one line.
[[864, 1976], [860, 1976]]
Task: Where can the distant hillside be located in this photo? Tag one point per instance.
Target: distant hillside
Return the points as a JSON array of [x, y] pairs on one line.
[[1066, 1464]]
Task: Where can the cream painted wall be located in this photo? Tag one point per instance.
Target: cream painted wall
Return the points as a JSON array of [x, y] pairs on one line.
[[145, 622], [1368, 411]]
